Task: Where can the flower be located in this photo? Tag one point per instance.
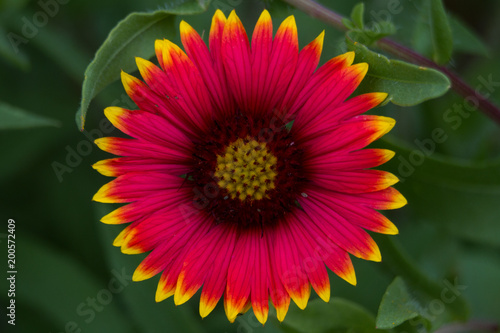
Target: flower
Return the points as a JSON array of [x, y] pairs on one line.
[[228, 198]]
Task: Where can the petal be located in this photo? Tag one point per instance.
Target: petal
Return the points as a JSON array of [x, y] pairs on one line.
[[348, 136], [390, 198], [116, 167], [331, 93], [215, 282], [333, 115], [145, 206], [282, 64], [197, 264], [198, 52], [134, 186], [307, 62], [153, 231], [186, 80], [335, 258], [259, 284], [149, 127], [142, 149], [215, 37], [312, 265], [235, 51], [354, 181], [359, 215], [262, 44], [326, 77], [288, 261], [195, 232], [159, 99], [355, 160], [277, 69], [239, 275], [170, 253], [278, 293], [351, 238]]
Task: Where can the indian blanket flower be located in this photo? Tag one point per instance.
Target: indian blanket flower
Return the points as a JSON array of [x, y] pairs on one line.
[[226, 193]]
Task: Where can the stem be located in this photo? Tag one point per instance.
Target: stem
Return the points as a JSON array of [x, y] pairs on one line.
[[315, 9], [400, 264]]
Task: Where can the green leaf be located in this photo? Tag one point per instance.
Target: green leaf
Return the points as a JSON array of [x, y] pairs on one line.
[[405, 83], [357, 15], [133, 37], [64, 51], [348, 23], [442, 39], [454, 194], [465, 40], [397, 306], [370, 36], [7, 52], [12, 5], [338, 316], [59, 287], [480, 272], [12, 117]]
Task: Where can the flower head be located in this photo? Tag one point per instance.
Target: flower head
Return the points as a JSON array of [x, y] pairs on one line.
[[226, 193]]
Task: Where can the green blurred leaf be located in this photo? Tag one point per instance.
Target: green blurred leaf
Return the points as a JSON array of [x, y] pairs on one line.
[[59, 287], [338, 316], [397, 306], [348, 23], [357, 15], [7, 52], [64, 51], [12, 5], [12, 117], [451, 193], [133, 37], [369, 36], [465, 40], [480, 273], [405, 83], [442, 39]]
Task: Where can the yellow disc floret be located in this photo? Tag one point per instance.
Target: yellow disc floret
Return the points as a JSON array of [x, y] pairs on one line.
[[246, 169]]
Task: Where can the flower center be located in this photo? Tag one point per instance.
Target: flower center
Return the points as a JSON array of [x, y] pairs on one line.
[[246, 170]]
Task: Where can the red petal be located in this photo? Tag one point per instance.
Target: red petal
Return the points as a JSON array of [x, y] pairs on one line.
[[239, 276], [186, 80], [288, 262], [199, 54], [278, 293], [312, 265], [351, 238], [236, 59], [262, 44], [355, 160], [307, 62], [215, 282]]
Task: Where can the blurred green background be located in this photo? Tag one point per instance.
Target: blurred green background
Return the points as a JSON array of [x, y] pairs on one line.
[[71, 278]]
